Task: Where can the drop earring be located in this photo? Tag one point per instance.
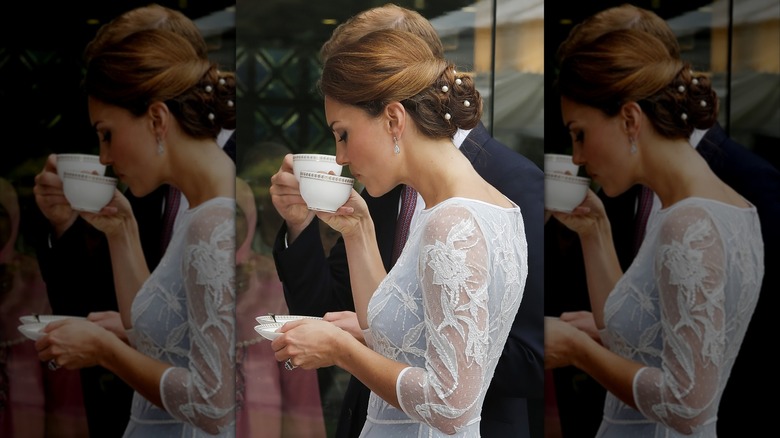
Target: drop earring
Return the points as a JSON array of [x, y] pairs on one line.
[[633, 146], [160, 148], [396, 149]]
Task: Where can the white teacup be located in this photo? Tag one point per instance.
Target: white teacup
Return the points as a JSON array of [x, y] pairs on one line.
[[315, 163], [79, 163], [87, 192], [564, 193], [324, 192], [559, 163]]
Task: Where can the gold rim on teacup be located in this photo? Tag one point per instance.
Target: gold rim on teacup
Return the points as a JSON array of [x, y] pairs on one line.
[[314, 157], [84, 176], [327, 177]]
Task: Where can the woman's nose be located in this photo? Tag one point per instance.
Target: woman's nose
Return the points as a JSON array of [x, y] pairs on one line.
[[576, 156], [104, 156], [341, 155]]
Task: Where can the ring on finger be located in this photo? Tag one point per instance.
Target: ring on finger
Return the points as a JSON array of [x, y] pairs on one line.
[[288, 365], [53, 365]]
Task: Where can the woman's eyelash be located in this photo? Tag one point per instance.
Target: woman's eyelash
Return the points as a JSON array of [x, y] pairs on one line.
[[580, 136], [106, 136], [342, 137]]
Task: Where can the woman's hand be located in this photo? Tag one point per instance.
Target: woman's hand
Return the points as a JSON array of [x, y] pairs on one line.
[[74, 343], [585, 217], [348, 322], [584, 321], [114, 217], [309, 343], [348, 219], [560, 341], [111, 321]]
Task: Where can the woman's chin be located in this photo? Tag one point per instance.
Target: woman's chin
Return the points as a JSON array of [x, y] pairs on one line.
[[137, 191]]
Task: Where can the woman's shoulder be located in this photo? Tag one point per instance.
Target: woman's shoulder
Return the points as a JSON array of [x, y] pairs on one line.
[[474, 207], [701, 216], [460, 212], [216, 214], [696, 208]]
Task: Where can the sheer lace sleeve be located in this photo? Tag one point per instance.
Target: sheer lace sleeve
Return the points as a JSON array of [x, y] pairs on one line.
[[690, 271], [453, 263], [204, 393]]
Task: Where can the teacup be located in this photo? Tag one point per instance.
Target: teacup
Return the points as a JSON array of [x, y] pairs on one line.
[[87, 192], [315, 163], [325, 192], [564, 193], [559, 163], [79, 163]]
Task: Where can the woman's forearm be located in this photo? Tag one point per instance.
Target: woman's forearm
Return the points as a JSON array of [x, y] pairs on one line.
[[615, 373], [129, 267], [602, 268], [377, 372], [366, 270], [141, 372]]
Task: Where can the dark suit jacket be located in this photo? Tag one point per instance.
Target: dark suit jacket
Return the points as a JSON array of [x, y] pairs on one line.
[[756, 180], [314, 285], [79, 279]]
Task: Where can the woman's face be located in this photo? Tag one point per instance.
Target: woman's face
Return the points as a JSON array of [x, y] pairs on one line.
[[127, 144], [363, 143], [601, 144]]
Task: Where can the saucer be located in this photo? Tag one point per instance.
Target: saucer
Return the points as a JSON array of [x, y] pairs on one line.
[[33, 331], [269, 330], [283, 318], [33, 319]]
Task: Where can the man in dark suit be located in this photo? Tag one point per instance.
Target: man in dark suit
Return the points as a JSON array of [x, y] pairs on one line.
[[314, 285]]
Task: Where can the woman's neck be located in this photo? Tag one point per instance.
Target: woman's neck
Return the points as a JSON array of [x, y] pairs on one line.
[[201, 170]]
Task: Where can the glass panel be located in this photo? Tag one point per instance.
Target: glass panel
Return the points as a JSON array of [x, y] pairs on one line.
[[736, 43], [41, 68]]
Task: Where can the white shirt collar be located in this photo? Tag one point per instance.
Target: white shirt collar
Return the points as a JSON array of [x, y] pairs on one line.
[[460, 137]]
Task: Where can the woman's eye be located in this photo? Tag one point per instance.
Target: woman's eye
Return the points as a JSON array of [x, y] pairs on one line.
[[579, 137], [343, 137], [106, 137]]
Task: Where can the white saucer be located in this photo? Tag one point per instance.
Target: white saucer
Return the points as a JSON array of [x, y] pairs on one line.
[[282, 318], [33, 331], [269, 330], [33, 319]]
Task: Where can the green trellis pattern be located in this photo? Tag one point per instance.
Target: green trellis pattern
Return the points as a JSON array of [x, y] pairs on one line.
[[280, 86]]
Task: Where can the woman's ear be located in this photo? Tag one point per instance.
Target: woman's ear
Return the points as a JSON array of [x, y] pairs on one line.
[[631, 114], [160, 116], [395, 118]]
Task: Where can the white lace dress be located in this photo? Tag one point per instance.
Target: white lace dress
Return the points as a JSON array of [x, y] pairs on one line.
[[682, 309], [445, 309], [184, 315]]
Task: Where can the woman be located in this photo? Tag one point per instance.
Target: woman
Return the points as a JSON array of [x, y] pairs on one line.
[[157, 123], [437, 322], [672, 324]]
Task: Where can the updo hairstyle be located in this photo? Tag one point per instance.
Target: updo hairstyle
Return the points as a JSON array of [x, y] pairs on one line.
[[396, 66], [158, 65], [152, 16], [388, 16], [632, 66]]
